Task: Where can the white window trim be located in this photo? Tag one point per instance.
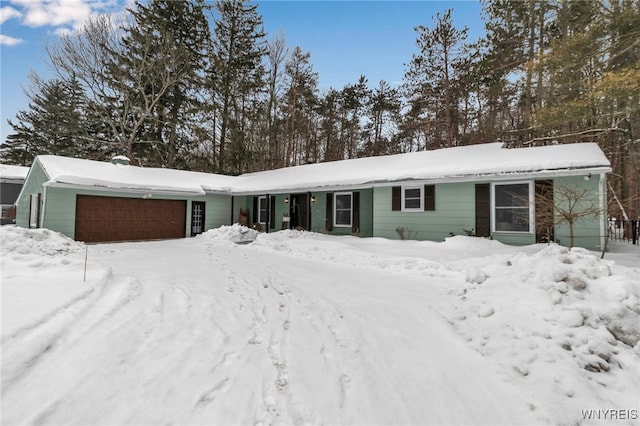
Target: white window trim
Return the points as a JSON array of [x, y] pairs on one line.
[[260, 199], [531, 207], [415, 209], [34, 211], [335, 207]]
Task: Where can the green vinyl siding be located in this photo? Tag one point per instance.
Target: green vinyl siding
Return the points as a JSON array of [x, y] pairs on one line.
[[58, 205], [588, 230], [32, 185], [319, 218], [454, 212], [60, 210]]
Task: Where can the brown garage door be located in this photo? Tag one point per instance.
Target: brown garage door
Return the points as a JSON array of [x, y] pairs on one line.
[[101, 219]]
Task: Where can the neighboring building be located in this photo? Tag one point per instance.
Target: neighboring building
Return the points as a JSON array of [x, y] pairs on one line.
[[486, 190], [11, 181]]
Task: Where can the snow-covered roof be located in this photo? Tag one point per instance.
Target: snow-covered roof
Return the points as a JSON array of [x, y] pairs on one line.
[[491, 160], [87, 173], [475, 162], [13, 173]]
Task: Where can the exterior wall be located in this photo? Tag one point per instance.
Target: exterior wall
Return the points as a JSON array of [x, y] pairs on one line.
[[318, 212], [60, 210], [58, 205], [455, 212], [588, 230], [9, 192], [32, 185]]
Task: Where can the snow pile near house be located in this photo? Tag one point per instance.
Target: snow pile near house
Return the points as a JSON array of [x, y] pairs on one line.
[[41, 272], [561, 323], [235, 233], [40, 245], [306, 328]]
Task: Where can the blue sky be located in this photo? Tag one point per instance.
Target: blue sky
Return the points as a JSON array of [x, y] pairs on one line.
[[345, 38]]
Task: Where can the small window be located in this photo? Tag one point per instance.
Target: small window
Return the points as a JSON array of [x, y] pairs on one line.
[[343, 202], [413, 198], [5, 211], [263, 209], [512, 207]]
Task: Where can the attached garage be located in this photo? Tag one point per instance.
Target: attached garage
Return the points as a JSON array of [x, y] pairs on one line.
[[104, 219]]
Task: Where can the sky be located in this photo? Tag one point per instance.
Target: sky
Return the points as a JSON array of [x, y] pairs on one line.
[[346, 39]]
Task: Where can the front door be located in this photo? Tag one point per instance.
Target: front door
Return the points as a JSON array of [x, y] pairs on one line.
[[299, 211], [197, 218]]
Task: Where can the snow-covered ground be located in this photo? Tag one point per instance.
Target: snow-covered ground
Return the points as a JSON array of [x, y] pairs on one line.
[[303, 328]]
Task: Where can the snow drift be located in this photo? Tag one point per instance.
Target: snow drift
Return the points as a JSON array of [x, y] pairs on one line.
[[303, 328]]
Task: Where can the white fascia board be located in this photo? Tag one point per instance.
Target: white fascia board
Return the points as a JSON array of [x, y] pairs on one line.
[[301, 190], [489, 177], [29, 174], [143, 191]]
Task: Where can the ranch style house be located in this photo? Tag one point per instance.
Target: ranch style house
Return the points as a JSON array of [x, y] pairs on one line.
[[486, 190]]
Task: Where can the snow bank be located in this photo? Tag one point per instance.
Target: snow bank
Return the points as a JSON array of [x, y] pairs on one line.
[[299, 327], [39, 245], [561, 323], [235, 233], [42, 271]]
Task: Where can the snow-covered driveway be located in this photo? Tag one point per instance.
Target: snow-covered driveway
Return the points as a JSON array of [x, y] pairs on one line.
[[203, 332], [300, 328]]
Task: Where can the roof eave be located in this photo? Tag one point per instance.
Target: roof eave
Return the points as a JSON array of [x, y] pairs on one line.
[[482, 177]]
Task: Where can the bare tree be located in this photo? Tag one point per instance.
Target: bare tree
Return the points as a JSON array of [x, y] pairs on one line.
[[565, 204]]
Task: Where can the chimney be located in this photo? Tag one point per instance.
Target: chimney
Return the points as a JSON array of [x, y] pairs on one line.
[[120, 159]]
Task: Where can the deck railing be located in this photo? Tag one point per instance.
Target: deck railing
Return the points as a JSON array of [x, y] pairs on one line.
[[624, 230]]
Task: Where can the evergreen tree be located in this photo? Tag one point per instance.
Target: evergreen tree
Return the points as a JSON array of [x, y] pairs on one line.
[[53, 124], [237, 78], [157, 74], [384, 109], [431, 83], [299, 106]]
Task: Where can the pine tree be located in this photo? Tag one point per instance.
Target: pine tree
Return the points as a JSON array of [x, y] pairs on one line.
[[431, 83], [157, 74], [237, 78], [53, 124], [299, 106], [384, 108]]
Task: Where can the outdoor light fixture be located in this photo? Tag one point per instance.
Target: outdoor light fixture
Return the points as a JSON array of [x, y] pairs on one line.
[[147, 196], [313, 199], [587, 177], [286, 199]]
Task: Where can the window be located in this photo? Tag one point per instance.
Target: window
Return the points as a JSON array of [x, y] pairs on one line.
[[343, 202], [412, 199], [263, 209], [415, 198], [5, 211], [512, 207]]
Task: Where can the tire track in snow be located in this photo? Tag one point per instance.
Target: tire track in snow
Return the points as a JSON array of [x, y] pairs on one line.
[[25, 348]]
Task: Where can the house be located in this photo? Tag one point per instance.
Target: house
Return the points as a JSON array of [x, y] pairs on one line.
[[486, 190], [11, 181], [95, 201]]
